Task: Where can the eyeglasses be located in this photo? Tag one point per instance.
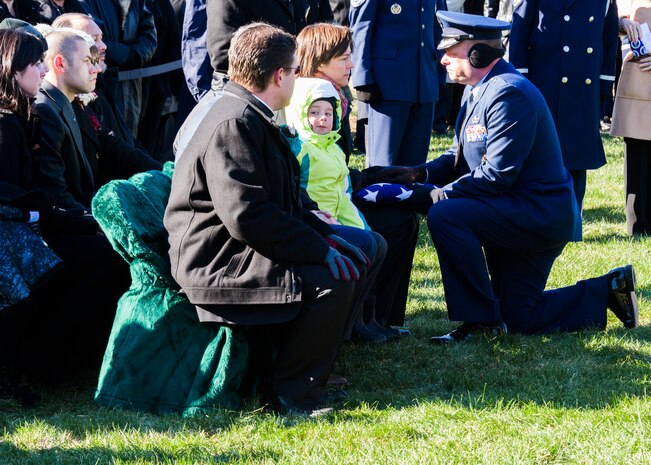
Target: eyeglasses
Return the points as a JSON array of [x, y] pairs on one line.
[[297, 69]]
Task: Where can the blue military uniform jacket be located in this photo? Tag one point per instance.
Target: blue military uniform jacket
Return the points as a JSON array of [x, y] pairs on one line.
[[509, 156], [568, 48], [395, 47]]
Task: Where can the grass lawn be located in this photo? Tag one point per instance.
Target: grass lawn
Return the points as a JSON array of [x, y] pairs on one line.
[[567, 398]]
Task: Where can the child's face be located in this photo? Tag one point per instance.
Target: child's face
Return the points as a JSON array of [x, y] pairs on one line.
[[320, 117]]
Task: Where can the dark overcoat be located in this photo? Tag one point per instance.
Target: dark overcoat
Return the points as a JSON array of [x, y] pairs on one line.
[[226, 16], [567, 48], [235, 219]]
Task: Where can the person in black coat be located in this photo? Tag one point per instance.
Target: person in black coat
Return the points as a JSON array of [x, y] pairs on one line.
[[225, 16], [52, 9], [242, 246], [61, 335], [25, 10]]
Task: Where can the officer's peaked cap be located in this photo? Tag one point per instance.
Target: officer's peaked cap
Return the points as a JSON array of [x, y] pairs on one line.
[[461, 26]]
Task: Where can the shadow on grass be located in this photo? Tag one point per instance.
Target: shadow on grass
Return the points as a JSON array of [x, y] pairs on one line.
[[586, 370], [608, 214], [13, 455]]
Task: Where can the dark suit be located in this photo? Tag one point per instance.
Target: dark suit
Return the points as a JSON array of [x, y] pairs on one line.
[[395, 49], [109, 156], [226, 16], [65, 174], [509, 212]]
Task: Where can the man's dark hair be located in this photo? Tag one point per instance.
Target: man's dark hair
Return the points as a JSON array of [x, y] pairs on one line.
[[257, 51]]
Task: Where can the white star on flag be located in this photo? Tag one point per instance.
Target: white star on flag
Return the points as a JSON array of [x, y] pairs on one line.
[[371, 196], [405, 194]]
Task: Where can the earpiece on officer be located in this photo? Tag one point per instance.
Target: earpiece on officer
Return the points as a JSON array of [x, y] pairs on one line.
[[482, 55]]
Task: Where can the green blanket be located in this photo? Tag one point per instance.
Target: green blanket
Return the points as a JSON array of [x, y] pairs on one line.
[[159, 357]]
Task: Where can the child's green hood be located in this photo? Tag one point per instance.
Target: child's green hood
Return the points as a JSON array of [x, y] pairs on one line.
[[306, 91]]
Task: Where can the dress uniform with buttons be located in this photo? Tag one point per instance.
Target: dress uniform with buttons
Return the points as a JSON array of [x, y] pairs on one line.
[[506, 208], [568, 48], [395, 55]]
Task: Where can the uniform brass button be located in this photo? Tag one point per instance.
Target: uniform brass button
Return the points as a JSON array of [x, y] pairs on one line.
[[566, 18], [590, 50], [566, 49], [588, 81], [423, 26], [422, 44], [564, 80], [591, 18]]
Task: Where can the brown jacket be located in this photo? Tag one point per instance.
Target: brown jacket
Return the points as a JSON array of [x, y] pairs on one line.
[[633, 99]]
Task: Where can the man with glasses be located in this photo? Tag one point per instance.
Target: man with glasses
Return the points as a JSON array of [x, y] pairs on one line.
[[242, 246]]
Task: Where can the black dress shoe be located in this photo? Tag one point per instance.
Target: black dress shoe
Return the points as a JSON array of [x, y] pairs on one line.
[[468, 330], [621, 295], [362, 333], [389, 333]]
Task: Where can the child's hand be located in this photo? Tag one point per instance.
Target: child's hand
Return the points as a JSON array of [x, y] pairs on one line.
[[325, 216]]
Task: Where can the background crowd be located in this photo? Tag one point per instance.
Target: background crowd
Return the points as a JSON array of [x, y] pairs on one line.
[[102, 92]]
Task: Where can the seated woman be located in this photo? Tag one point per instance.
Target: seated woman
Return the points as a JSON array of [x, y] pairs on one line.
[[324, 52], [63, 333], [26, 261], [314, 112]]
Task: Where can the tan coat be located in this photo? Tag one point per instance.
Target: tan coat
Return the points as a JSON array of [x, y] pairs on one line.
[[632, 111]]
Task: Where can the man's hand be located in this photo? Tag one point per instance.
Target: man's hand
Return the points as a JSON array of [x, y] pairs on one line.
[[340, 266], [345, 247], [437, 195], [394, 174], [369, 93]]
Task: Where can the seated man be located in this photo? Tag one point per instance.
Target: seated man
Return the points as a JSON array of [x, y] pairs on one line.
[[78, 153], [507, 208], [103, 105], [242, 246], [66, 175]]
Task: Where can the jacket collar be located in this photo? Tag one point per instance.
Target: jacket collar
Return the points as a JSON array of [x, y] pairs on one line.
[[249, 98], [55, 95]]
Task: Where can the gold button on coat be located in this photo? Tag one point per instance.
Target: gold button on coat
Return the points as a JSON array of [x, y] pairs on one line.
[[564, 80], [588, 81]]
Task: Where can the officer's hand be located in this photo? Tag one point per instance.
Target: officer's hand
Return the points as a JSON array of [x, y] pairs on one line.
[[394, 174], [369, 93], [345, 247], [437, 195], [340, 266]]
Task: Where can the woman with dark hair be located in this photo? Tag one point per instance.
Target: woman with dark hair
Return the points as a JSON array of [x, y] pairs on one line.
[[26, 262], [21, 73], [45, 330], [324, 51]]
